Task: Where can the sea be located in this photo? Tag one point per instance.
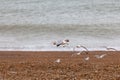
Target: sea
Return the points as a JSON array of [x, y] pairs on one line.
[[32, 25]]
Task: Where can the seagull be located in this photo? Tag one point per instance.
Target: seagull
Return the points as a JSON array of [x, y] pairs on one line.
[[61, 42], [57, 61], [87, 58], [100, 56], [79, 46], [109, 49]]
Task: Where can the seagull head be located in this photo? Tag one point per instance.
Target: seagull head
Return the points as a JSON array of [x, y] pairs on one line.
[[54, 43], [67, 40]]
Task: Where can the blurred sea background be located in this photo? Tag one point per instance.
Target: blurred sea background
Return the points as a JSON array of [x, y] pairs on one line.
[[35, 24]]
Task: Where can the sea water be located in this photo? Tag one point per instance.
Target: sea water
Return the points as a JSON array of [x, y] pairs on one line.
[[35, 24]]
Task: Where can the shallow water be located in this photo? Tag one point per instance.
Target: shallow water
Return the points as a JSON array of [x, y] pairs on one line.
[[40, 37], [34, 24]]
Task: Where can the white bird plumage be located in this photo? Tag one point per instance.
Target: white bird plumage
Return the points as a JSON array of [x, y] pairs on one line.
[[100, 56], [58, 61], [79, 46], [78, 53], [109, 48], [87, 58], [61, 43]]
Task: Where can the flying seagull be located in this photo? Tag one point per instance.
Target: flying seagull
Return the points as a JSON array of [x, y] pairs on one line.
[[61, 43], [80, 46], [100, 56]]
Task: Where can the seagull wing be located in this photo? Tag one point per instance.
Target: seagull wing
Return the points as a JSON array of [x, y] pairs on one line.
[[103, 55], [59, 42]]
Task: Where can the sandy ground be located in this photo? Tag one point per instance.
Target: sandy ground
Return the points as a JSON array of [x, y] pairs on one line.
[[27, 65]]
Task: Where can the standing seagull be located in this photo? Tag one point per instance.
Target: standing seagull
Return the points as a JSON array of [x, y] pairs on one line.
[[57, 61], [61, 42]]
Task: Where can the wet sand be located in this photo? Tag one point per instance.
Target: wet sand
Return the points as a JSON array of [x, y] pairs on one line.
[[31, 65]]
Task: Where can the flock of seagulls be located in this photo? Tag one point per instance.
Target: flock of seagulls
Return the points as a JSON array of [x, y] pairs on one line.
[[65, 42]]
